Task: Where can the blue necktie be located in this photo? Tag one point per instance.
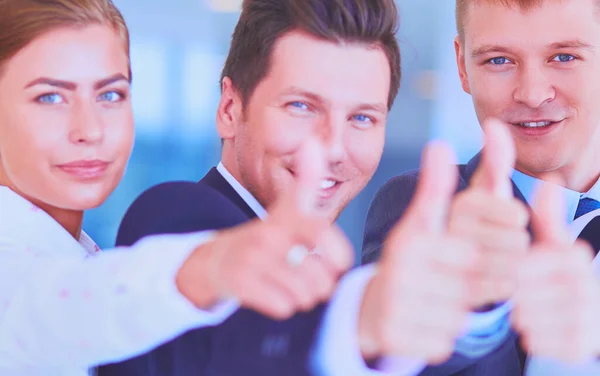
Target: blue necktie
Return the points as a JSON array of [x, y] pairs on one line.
[[591, 231], [585, 206]]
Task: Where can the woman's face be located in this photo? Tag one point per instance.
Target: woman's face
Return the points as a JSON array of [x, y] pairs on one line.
[[66, 123]]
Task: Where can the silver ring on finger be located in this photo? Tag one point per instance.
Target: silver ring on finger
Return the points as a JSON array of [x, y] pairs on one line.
[[296, 255]]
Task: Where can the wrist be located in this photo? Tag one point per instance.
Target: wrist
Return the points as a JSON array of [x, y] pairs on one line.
[[195, 279], [367, 322]]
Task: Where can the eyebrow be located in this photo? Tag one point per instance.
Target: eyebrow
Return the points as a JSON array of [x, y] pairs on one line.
[[487, 49], [308, 94], [72, 86], [573, 43], [495, 48], [378, 107]]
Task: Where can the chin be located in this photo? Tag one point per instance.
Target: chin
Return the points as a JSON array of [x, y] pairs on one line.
[[331, 210], [85, 199]]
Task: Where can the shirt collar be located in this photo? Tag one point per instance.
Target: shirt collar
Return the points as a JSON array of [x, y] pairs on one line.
[[528, 186], [52, 238], [252, 202]]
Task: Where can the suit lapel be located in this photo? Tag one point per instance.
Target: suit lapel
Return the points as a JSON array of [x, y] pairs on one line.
[[216, 181]]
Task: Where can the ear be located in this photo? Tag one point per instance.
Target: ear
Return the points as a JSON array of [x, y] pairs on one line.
[[230, 110], [460, 62]]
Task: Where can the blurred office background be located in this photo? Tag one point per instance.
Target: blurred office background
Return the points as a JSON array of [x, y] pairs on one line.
[[178, 48]]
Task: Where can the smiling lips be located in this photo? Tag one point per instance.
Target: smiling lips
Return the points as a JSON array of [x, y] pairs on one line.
[[85, 169], [536, 128]]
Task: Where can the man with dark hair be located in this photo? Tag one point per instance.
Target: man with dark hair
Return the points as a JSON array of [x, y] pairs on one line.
[[534, 65], [299, 70]]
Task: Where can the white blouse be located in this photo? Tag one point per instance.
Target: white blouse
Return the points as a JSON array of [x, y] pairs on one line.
[[65, 307]]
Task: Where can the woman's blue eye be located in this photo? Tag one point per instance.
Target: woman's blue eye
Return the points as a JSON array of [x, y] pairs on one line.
[[52, 98], [111, 96]]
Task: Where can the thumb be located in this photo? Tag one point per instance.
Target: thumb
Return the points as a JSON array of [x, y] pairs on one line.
[[302, 198], [497, 161], [438, 178], [296, 212], [310, 170], [548, 220]]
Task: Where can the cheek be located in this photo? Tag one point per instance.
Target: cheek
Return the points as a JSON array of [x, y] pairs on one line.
[[491, 93], [32, 140], [364, 150], [284, 134], [120, 133]]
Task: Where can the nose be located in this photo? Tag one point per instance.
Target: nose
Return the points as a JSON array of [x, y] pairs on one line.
[[86, 124], [534, 88], [332, 133]]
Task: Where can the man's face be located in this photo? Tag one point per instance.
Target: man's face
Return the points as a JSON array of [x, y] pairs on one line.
[[539, 71], [335, 92]]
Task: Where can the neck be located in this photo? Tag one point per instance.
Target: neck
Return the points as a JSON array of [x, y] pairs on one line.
[[579, 176], [230, 163], [70, 220]]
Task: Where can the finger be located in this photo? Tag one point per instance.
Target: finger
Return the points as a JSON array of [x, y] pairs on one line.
[[498, 241], [452, 253], [293, 283], [473, 206], [336, 250], [416, 342], [547, 315], [497, 160], [533, 300], [433, 313], [491, 290], [267, 299], [435, 188], [296, 213], [546, 322], [436, 347], [439, 285], [319, 278], [451, 322], [548, 222], [310, 171], [543, 266]]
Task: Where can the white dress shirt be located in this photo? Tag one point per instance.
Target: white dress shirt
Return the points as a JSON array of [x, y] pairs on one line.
[[66, 307], [337, 352], [528, 185]]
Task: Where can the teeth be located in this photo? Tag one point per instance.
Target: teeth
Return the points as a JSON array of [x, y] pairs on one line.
[[535, 124], [326, 184]]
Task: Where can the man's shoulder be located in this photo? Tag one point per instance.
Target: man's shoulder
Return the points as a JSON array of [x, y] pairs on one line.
[[181, 198], [405, 184], [178, 207]]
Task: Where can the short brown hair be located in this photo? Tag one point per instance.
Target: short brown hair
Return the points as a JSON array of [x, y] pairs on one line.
[[263, 22], [22, 21], [463, 5]]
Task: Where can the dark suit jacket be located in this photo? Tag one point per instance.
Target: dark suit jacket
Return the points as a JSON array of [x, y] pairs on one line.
[[387, 207], [246, 344]]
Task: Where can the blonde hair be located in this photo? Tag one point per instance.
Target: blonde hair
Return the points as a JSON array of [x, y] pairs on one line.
[[462, 7], [22, 21]]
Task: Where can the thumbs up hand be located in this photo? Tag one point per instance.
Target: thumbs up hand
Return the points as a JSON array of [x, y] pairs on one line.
[[418, 302], [488, 214], [557, 303], [265, 265]]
